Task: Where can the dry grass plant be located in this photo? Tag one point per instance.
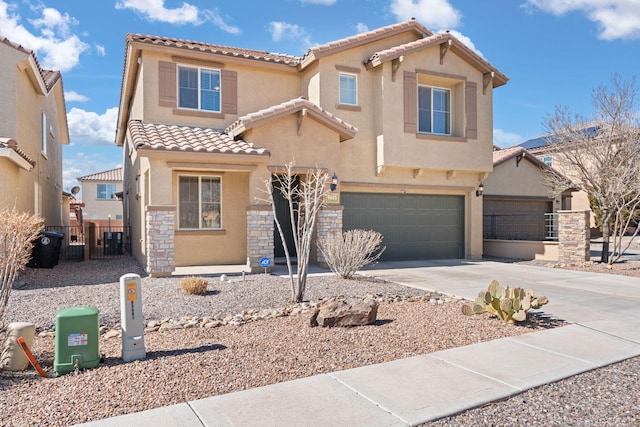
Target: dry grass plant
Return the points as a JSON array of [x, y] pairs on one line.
[[194, 285], [346, 253], [18, 230]]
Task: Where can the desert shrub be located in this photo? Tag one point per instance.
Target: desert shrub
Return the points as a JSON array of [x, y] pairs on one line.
[[18, 230], [194, 285], [510, 305], [346, 253]]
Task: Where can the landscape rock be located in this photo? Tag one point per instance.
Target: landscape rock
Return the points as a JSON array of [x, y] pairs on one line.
[[345, 312]]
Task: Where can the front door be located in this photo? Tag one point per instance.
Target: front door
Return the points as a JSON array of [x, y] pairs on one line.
[[282, 214]]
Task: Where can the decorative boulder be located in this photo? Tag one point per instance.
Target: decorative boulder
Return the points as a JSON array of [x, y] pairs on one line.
[[345, 312]]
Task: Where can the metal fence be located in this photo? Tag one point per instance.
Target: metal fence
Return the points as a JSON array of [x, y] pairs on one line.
[[534, 227], [93, 242]]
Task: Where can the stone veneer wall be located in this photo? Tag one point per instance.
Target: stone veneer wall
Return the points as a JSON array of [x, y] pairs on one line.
[[329, 222], [160, 240], [573, 237], [259, 235]]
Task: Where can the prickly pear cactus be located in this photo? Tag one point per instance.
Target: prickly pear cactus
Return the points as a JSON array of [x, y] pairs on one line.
[[510, 305]]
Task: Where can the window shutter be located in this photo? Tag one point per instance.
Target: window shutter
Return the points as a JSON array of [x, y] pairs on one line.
[[229, 92], [471, 107], [410, 102], [167, 84]]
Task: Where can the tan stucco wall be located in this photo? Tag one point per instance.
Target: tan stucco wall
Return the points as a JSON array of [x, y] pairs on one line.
[[37, 191], [226, 246], [521, 249], [512, 179], [95, 208]]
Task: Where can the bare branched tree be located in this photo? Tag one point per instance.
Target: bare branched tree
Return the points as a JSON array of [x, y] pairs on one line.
[[18, 230], [305, 201], [348, 252], [602, 158]]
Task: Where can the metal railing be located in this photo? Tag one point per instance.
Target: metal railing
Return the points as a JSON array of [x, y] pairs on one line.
[[534, 227], [93, 242]]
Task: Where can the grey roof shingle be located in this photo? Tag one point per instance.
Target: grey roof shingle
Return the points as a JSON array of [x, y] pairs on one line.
[[108, 175]]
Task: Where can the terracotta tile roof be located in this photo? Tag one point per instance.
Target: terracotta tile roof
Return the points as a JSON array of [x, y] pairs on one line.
[[433, 40], [251, 120], [366, 37], [110, 175], [13, 145], [49, 77], [259, 55], [500, 156], [150, 136]]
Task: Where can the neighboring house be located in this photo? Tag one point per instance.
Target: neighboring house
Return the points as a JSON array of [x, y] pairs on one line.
[[542, 148], [519, 207], [33, 129], [402, 117], [99, 195]]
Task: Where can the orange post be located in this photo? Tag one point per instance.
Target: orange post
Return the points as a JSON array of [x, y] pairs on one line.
[[32, 359]]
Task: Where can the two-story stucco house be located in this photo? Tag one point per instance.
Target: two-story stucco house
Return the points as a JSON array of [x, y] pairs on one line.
[[99, 195], [33, 129], [402, 118]]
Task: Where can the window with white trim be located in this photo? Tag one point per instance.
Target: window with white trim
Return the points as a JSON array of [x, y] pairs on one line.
[[199, 202], [434, 110], [44, 134], [106, 191], [348, 89], [199, 88]]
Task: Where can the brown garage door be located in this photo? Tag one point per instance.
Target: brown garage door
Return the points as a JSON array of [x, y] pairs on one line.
[[413, 226]]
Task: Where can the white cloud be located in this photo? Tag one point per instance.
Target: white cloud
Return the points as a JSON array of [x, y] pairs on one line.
[[155, 10], [323, 2], [362, 27], [617, 19], [430, 13], [100, 49], [91, 128], [467, 41], [72, 96], [81, 165], [54, 43], [504, 139], [283, 31]]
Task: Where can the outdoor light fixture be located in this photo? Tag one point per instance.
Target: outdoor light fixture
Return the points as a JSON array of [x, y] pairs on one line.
[[334, 182], [480, 190]]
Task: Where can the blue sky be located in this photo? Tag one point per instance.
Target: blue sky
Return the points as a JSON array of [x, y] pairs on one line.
[[555, 52]]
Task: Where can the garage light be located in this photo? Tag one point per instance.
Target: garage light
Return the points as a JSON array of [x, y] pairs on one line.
[[480, 190], [334, 182]]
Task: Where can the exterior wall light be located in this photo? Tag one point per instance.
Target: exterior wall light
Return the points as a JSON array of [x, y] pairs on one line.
[[480, 190], [334, 182]]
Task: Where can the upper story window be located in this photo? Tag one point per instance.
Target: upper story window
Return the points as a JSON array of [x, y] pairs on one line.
[[548, 160], [106, 191], [44, 134], [199, 202], [348, 89], [199, 88], [434, 110]]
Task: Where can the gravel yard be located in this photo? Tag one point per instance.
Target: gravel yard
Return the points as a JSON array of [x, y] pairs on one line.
[[186, 363]]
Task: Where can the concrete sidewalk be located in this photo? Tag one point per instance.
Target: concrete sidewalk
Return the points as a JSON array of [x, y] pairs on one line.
[[605, 329]]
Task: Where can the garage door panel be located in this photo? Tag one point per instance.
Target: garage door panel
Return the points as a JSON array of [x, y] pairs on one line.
[[412, 226]]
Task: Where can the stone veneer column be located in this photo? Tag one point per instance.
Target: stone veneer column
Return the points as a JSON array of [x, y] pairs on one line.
[[160, 240], [574, 236], [329, 222], [259, 235]]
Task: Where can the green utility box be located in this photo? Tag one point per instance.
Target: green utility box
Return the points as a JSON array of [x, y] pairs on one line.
[[77, 339]]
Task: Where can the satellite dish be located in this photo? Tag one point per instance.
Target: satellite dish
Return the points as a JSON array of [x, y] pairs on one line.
[[75, 190]]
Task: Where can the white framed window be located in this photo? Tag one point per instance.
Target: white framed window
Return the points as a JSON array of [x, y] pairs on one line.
[[199, 88], [106, 191], [199, 202], [548, 160], [348, 89], [434, 110], [44, 133]]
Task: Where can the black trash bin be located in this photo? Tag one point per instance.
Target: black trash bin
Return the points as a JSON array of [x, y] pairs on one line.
[[46, 250], [112, 242]]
